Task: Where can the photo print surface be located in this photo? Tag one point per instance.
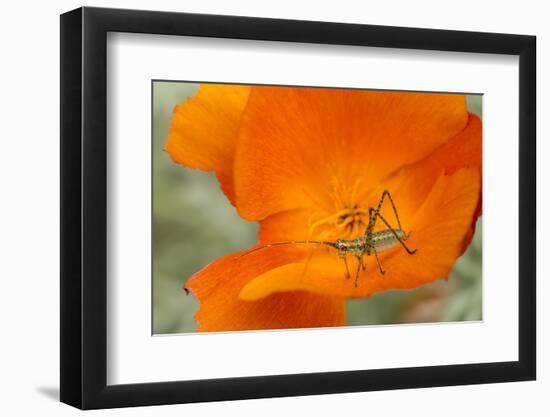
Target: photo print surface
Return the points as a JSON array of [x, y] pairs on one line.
[[279, 207]]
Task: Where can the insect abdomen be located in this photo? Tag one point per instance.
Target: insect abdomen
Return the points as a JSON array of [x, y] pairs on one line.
[[386, 239]]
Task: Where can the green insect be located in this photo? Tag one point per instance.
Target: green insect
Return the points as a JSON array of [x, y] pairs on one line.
[[370, 243]]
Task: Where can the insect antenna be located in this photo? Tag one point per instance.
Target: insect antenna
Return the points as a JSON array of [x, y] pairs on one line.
[[289, 242]]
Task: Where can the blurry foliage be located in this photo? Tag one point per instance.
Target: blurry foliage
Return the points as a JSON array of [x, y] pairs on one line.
[[194, 224]]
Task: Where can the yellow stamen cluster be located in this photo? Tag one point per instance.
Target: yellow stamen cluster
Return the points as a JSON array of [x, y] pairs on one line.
[[348, 219]]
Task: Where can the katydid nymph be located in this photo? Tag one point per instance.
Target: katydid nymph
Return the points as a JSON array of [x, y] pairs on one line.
[[370, 243]]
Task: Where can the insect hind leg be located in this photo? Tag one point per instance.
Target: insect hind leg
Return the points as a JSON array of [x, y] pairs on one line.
[[387, 194], [409, 251]]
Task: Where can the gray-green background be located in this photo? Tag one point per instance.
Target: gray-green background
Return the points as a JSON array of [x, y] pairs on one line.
[[194, 223]]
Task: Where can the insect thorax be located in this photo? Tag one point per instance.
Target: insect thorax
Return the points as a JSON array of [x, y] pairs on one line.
[[354, 246]]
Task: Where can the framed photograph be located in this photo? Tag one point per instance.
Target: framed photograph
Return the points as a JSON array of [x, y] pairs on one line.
[[260, 208]]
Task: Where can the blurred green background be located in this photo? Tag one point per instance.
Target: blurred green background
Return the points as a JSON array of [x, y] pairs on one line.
[[194, 223]]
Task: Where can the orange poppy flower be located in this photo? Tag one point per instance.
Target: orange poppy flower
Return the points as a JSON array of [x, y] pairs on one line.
[[307, 164]]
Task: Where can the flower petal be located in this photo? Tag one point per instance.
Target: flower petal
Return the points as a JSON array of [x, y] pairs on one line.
[[204, 131], [217, 287], [286, 225], [464, 150], [298, 145], [438, 228], [412, 183]]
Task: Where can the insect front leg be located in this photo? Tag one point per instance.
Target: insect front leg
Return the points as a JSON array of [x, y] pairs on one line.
[[359, 266], [343, 255]]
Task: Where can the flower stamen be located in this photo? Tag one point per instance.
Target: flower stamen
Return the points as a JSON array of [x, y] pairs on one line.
[[344, 223]]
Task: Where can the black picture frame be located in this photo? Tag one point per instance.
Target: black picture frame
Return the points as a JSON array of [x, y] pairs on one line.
[[84, 207]]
